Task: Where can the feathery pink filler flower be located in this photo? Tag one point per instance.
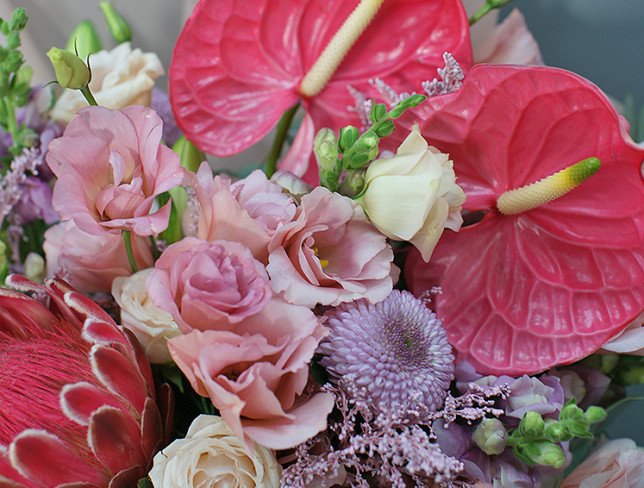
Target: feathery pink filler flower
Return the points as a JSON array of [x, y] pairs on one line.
[[239, 65], [110, 166], [548, 285], [77, 394]]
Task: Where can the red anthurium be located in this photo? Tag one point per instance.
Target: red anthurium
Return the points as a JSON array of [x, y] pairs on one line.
[[548, 286], [239, 64]]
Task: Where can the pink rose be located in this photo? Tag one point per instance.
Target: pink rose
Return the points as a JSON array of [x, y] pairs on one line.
[[110, 166], [247, 211], [255, 376], [208, 285], [618, 463], [330, 254], [91, 262]]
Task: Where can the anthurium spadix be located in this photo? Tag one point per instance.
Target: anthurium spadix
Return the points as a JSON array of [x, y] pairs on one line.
[[239, 65], [555, 268]]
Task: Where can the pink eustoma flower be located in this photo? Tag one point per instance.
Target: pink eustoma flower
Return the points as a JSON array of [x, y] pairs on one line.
[[522, 293], [247, 211], [90, 262], [77, 394], [330, 254], [209, 285], [110, 166], [256, 375], [238, 65]]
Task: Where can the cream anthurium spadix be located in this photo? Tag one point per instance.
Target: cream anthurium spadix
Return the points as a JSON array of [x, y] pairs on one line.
[[413, 196]]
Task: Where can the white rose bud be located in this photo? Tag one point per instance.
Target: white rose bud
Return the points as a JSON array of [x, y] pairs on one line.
[[120, 77], [413, 195], [151, 325], [210, 451]]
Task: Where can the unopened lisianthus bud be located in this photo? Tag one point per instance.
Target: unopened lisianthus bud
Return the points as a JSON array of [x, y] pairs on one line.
[[84, 40], [34, 267], [490, 436], [325, 147], [116, 24], [71, 71]]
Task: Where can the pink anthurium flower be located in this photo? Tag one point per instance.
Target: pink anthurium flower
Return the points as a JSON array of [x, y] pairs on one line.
[[547, 286], [239, 65]]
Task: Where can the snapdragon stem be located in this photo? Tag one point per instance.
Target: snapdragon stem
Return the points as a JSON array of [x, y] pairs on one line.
[[88, 96], [127, 239], [280, 136], [12, 125]]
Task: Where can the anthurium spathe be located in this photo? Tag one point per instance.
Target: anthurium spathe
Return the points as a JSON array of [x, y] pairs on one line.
[[549, 285], [239, 65]]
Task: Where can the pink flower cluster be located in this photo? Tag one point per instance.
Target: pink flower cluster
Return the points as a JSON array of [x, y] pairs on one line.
[[241, 289]]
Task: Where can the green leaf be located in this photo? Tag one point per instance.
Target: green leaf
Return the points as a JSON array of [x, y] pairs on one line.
[[173, 374], [144, 483]]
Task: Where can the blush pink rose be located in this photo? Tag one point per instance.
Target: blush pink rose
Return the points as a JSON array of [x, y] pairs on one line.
[[330, 254], [110, 166], [91, 262], [256, 375], [618, 463], [247, 211], [208, 285]]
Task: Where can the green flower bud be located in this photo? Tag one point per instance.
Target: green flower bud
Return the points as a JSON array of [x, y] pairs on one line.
[[555, 431], [595, 414], [532, 425], [325, 147], [353, 184], [34, 267], [18, 20], [490, 436], [116, 24], [571, 412], [385, 129], [378, 111], [189, 155], [71, 71], [547, 454], [348, 137], [84, 40]]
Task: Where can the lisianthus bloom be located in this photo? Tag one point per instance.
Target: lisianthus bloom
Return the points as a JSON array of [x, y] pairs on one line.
[[330, 254], [209, 285], [247, 211], [91, 262], [413, 195], [211, 450], [256, 375], [550, 284], [110, 166], [151, 325], [77, 395], [120, 78], [232, 77], [617, 464]]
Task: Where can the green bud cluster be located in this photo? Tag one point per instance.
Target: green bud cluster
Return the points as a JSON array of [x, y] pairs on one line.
[[15, 80], [537, 441], [350, 152]]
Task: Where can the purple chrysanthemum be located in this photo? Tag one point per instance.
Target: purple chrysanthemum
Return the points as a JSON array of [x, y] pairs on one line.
[[393, 354]]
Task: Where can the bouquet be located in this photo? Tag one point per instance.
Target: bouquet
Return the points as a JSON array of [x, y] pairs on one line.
[[434, 278]]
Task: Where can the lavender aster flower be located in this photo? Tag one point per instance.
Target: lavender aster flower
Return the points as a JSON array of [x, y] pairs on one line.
[[394, 354]]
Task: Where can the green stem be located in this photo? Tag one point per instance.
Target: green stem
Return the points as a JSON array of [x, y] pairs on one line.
[[280, 136], [12, 125], [482, 12], [88, 96], [127, 239]]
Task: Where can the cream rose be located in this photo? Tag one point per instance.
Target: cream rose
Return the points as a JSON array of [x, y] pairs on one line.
[[151, 325], [413, 195], [120, 77], [211, 455]]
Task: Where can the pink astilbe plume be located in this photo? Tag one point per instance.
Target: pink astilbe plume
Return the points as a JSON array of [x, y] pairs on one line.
[[77, 399]]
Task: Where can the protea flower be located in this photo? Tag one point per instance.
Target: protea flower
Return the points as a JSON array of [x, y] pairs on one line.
[[77, 399]]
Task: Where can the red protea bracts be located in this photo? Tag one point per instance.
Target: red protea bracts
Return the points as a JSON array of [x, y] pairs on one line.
[[77, 399]]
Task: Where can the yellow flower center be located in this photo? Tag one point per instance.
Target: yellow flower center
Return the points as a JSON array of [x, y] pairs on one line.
[[548, 189]]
